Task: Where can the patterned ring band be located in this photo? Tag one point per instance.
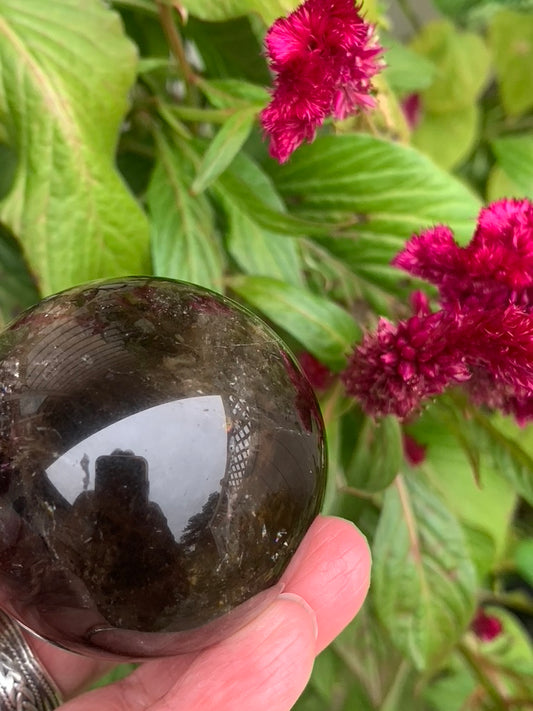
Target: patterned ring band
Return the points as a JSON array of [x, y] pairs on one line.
[[24, 685]]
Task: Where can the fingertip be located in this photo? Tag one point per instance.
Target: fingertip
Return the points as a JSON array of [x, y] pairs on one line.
[[332, 573]]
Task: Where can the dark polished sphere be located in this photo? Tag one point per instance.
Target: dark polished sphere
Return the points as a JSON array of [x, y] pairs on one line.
[[161, 457]]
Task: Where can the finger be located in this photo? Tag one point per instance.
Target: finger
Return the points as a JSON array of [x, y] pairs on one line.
[[331, 572], [72, 673], [265, 666]]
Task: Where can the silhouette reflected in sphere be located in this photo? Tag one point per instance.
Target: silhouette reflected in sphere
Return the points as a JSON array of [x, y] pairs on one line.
[[161, 458]]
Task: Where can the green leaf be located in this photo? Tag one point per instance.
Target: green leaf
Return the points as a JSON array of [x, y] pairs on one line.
[[510, 654], [228, 49], [486, 506], [8, 169], [515, 156], [511, 448], [394, 189], [17, 289], [479, 9], [226, 93], [460, 128], [66, 71], [377, 455], [452, 688], [223, 148], [406, 70], [117, 673], [184, 239], [242, 195], [500, 185], [462, 62], [367, 650], [424, 581], [217, 10], [511, 41], [320, 325], [256, 250], [523, 559]]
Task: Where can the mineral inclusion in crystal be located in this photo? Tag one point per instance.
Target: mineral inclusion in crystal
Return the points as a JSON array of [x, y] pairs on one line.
[[161, 457]]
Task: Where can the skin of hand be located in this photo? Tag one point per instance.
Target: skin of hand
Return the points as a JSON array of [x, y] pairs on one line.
[[263, 666]]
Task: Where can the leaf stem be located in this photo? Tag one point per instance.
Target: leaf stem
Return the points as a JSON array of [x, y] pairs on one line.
[[175, 42], [511, 601], [500, 703]]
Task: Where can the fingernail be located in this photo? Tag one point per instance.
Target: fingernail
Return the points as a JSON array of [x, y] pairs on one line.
[[300, 600]]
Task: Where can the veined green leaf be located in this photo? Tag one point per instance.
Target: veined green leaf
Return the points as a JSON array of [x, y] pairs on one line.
[[66, 71], [251, 204], [320, 325], [184, 243], [216, 10], [423, 579], [394, 190], [258, 251], [223, 148], [377, 455]]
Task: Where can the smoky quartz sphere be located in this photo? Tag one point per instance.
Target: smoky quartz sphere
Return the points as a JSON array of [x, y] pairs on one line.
[[161, 457]]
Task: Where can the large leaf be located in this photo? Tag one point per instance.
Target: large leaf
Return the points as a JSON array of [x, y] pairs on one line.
[[462, 62], [395, 189], [184, 243], [424, 581], [460, 128], [66, 71], [515, 156], [217, 10], [485, 508], [320, 325], [511, 40], [389, 191]]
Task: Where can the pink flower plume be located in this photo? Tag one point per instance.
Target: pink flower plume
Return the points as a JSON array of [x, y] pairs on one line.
[[324, 56]]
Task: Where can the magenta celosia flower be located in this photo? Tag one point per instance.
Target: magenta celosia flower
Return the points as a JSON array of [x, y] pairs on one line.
[[486, 627], [495, 269], [399, 366], [393, 370], [324, 56], [481, 338]]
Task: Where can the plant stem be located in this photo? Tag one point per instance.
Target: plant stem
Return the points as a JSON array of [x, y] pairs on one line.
[[174, 42], [513, 601], [500, 704]]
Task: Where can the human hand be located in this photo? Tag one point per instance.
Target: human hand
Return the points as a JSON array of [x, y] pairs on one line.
[[265, 665]]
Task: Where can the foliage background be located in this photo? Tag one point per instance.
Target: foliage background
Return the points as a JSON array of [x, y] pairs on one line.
[[116, 160]]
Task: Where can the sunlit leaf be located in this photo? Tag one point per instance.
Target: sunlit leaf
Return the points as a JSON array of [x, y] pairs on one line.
[[424, 581], [320, 325], [68, 206]]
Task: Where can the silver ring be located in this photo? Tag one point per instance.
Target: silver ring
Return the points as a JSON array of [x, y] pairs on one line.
[[24, 685]]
